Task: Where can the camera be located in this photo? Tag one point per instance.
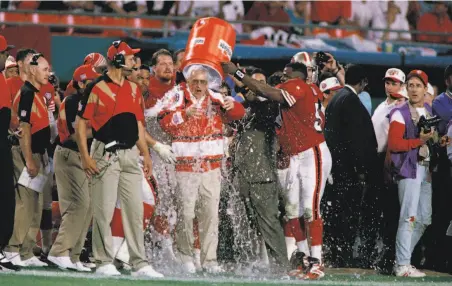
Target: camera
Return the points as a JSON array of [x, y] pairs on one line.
[[428, 124], [321, 58]]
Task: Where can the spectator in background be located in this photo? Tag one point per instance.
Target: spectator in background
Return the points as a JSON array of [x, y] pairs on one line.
[[196, 9], [394, 20], [271, 11], [300, 14], [232, 11], [429, 95], [364, 14], [330, 11], [436, 21]]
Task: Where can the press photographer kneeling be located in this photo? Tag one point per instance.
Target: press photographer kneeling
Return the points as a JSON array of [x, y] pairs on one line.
[[412, 143]]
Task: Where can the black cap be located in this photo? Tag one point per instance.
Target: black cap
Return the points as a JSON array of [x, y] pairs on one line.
[[354, 74], [448, 72]]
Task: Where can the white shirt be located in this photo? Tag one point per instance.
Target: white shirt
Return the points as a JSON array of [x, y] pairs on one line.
[[364, 12], [380, 120], [400, 23], [349, 86]]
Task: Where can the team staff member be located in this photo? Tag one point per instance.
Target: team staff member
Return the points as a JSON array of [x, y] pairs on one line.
[[349, 133], [74, 194], [7, 201], [113, 106], [31, 155]]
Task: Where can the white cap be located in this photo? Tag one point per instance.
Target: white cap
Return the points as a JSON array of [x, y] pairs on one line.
[[10, 62], [395, 74], [402, 93], [304, 58], [331, 83]]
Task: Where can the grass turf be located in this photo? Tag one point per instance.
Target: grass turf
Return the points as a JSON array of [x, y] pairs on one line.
[[335, 277]]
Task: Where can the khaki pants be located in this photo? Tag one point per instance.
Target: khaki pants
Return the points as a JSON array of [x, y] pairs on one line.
[[198, 195], [120, 175], [75, 204], [28, 208]]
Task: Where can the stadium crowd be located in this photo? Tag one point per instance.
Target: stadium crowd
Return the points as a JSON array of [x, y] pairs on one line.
[[137, 148]]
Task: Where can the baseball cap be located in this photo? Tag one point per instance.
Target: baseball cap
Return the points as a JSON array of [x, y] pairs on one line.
[[430, 89], [4, 45], [95, 60], [85, 72], [331, 83], [401, 93], [420, 75], [121, 48], [10, 62], [395, 74]]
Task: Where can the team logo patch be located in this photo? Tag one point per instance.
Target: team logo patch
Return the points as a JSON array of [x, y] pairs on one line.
[[23, 113], [392, 72], [323, 85], [198, 41]]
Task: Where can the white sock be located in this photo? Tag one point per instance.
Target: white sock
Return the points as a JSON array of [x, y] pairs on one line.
[[304, 247], [316, 251], [291, 245]]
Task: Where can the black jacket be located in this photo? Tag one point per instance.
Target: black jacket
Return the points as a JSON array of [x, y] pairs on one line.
[[350, 135]]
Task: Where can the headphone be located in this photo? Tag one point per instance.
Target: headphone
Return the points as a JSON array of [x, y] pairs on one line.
[[35, 58], [118, 61]]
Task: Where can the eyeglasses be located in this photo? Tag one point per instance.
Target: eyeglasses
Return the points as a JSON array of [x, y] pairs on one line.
[[199, 82], [35, 58]]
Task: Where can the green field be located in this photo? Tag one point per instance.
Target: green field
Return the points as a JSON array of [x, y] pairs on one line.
[[333, 277]]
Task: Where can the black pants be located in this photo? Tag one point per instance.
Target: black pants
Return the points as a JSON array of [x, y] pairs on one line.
[[7, 195], [352, 211]]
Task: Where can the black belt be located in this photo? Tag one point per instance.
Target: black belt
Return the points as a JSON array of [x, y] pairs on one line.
[[69, 144]]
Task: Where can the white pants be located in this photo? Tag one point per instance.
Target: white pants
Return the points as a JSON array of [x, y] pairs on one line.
[[305, 182]]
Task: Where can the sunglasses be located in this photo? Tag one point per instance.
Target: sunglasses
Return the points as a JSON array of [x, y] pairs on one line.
[[35, 58]]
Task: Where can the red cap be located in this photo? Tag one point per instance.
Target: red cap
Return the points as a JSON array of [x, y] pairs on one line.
[[4, 44], [123, 48], [95, 60], [420, 75], [85, 72]]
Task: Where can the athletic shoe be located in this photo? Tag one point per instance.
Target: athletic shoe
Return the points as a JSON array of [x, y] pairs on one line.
[[315, 270], [213, 269], [189, 267], [89, 265], [34, 262], [407, 271], [80, 268], [14, 258], [108, 270], [63, 262], [6, 265], [147, 271]]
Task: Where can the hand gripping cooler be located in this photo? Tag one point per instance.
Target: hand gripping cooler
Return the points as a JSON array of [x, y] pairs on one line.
[[210, 43]]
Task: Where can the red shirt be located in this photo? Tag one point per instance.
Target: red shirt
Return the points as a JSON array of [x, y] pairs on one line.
[[429, 22], [301, 127], [5, 99], [157, 90], [330, 11], [261, 11]]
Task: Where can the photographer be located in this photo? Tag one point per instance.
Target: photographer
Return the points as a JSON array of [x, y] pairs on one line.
[[411, 159]]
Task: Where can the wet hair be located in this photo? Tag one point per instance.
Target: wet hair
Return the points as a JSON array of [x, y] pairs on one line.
[[161, 52]]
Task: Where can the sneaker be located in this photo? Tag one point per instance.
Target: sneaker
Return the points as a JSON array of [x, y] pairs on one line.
[[34, 262], [213, 269], [407, 271], [80, 267], [62, 262], [89, 265], [189, 267], [14, 258], [315, 272], [147, 271], [108, 270], [6, 265]]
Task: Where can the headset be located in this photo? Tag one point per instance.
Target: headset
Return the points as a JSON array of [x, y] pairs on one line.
[[118, 61], [35, 58]]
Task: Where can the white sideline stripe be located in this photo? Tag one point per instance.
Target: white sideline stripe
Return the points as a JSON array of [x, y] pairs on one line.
[[223, 280], [200, 148]]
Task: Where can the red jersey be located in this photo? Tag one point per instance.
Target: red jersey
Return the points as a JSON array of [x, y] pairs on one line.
[[301, 126], [5, 99], [157, 90]]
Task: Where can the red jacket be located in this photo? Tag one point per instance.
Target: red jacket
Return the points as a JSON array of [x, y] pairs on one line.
[[198, 142]]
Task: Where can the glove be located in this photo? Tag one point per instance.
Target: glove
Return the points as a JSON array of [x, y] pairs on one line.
[[165, 152]]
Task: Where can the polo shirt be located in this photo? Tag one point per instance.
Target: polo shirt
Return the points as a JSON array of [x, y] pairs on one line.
[[113, 110], [31, 108]]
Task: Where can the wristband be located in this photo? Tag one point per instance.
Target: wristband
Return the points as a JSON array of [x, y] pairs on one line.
[[239, 75]]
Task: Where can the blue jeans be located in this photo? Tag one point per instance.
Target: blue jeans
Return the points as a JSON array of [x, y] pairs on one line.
[[415, 197]]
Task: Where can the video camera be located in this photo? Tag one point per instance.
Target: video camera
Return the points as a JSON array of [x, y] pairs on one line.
[[321, 58], [427, 124]]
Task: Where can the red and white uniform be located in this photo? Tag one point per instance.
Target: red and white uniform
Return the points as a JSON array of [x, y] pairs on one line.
[[301, 137]]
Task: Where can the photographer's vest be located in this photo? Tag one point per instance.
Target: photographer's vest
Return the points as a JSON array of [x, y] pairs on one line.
[[405, 163]]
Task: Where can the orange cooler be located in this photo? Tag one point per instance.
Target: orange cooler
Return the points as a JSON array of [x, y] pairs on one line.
[[210, 43]]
